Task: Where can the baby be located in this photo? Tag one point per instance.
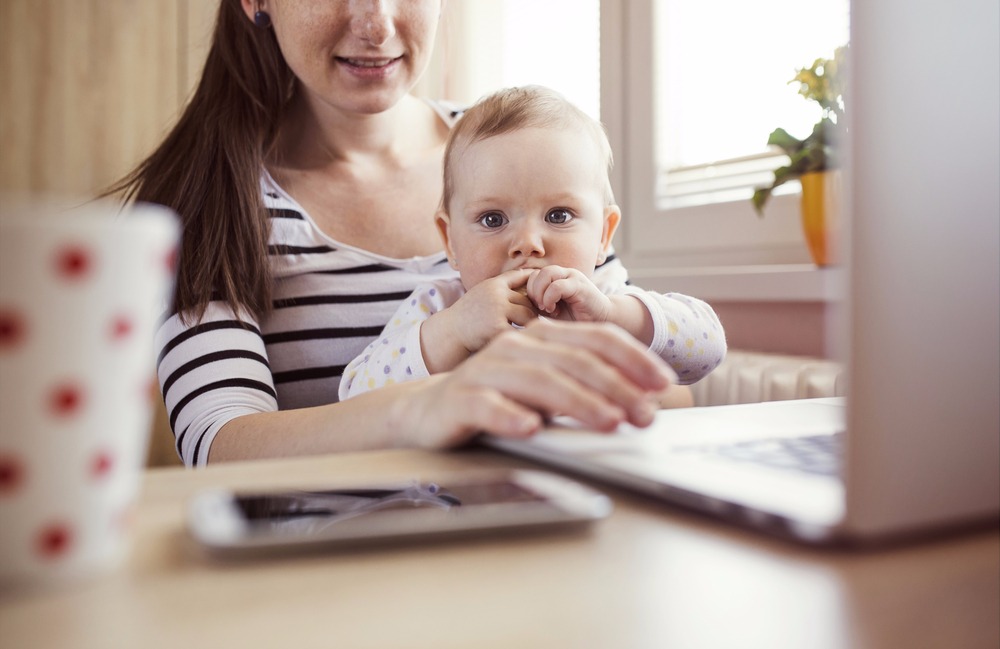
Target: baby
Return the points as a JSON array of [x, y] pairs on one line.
[[527, 220]]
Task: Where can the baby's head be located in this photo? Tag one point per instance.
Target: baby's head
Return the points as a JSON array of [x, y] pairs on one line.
[[526, 184]]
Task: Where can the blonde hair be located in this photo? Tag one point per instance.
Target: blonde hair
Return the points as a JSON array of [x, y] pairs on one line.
[[517, 108]]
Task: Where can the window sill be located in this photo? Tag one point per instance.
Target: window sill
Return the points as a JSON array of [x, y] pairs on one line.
[[757, 283]]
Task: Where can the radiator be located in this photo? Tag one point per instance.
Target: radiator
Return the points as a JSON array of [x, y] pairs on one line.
[[749, 377]]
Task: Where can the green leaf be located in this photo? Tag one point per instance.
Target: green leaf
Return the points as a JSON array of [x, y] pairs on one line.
[[788, 172], [823, 83], [760, 197], [781, 138]]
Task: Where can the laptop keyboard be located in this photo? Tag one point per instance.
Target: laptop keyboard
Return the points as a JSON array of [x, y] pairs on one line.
[[819, 454]]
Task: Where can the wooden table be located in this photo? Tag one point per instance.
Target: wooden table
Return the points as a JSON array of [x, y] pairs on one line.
[[650, 576]]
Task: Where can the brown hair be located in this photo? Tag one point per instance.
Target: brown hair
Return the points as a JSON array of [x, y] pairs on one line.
[[511, 109], [208, 168]]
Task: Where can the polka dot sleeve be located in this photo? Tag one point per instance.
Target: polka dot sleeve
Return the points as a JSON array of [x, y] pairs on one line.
[[395, 355], [687, 333]]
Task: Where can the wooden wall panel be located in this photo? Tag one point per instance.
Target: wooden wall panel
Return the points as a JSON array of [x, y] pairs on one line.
[[90, 86]]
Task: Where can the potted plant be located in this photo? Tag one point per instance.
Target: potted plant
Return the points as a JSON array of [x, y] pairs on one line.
[[813, 160]]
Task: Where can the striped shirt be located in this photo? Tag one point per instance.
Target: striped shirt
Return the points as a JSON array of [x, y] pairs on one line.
[[329, 301]]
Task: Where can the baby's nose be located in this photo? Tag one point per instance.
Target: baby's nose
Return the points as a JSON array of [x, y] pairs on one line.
[[527, 241]]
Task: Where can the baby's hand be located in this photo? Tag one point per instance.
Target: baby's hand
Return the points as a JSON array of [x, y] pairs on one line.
[[568, 294], [489, 308]]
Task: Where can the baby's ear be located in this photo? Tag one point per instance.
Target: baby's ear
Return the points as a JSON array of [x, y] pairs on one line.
[[443, 222], [612, 217]]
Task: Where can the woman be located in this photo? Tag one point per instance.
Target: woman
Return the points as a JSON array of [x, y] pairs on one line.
[[306, 177]]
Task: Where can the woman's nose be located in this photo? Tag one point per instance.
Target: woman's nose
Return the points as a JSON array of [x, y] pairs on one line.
[[372, 21], [527, 241]]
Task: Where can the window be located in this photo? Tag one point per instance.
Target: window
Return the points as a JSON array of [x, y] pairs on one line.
[[691, 90], [721, 71]]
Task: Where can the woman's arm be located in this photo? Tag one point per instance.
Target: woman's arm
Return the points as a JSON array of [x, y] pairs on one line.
[[211, 371], [596, 371]]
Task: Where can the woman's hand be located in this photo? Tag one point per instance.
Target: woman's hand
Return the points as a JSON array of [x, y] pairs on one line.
[[597, 372]]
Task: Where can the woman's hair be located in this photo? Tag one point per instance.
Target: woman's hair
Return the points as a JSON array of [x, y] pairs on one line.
[[512, 109], [208, 168]]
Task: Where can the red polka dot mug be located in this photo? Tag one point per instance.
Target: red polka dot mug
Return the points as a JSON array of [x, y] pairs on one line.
[[81, 293]]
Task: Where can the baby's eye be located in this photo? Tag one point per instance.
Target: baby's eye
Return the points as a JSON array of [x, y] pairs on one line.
[[559, 216], [492, 220]]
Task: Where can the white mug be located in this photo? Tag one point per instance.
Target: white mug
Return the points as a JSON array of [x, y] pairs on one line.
[[81, 293]]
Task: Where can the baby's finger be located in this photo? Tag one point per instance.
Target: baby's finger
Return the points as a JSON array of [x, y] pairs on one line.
[[558, 291], [518, 278], [521, 315], [544, 276]]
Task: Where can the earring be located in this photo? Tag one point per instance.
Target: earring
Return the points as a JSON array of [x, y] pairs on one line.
[[262, 19]]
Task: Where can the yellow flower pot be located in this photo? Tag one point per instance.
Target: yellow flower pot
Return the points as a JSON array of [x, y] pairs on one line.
[[821, 192]]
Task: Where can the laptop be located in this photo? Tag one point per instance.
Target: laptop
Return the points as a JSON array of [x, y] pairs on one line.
[[915, 445]]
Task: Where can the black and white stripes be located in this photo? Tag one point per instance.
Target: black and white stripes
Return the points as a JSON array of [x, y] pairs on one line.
[[329, 302]]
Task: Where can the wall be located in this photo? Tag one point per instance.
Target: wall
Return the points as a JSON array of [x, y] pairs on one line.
[[91, 85], [797, 328]]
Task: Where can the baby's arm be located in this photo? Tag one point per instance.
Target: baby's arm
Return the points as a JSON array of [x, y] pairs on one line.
[[393, 357], [684, 331]]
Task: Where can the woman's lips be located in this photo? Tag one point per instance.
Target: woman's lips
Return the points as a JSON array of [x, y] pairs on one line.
[[369, 68]]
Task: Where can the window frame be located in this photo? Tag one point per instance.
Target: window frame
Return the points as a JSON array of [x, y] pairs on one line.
[[651, 239]]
